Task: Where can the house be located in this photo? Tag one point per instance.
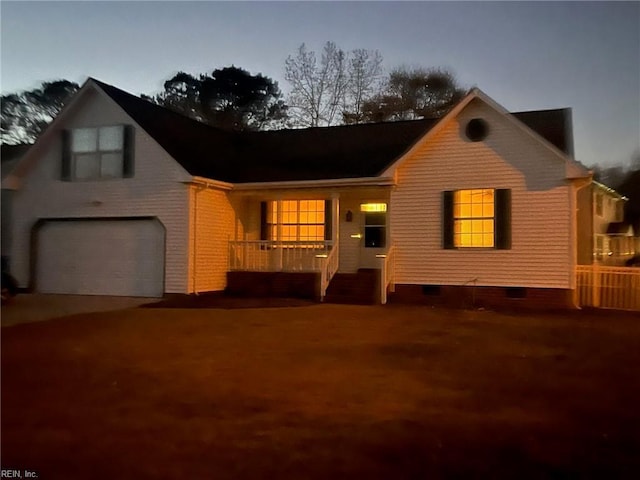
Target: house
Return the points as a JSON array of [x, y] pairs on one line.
[[123, 197], [606, 238], [9, 155]]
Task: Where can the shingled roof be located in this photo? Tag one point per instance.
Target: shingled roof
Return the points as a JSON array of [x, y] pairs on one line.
[[349, 151]]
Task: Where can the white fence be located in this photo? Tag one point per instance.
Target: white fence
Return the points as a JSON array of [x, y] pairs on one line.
[[608, 287]]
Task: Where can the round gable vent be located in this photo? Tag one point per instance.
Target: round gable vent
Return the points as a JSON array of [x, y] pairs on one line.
[[477, 130]]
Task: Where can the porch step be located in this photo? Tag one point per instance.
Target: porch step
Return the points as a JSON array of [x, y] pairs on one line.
[[360, 288]]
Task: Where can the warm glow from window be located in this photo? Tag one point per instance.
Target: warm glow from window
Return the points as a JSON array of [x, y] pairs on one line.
[[474, 218], [300, 220], [373, 207]]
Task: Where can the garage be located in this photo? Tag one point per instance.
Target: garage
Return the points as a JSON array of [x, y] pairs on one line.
[[122, 257]]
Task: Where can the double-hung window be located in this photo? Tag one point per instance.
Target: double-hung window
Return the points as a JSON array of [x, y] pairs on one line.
[[473, 218], [477, 218], [297, 220], [97, 153]]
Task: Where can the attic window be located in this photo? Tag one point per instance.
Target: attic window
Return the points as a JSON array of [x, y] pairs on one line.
[[477, 130]]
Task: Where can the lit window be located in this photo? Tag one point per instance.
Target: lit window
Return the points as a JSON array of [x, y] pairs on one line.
[[97, 153], [300, 220], [375, 224], [373, 207], [473, 218]]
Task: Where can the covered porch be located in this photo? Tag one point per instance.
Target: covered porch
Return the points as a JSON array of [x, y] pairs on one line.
[[316, 232]]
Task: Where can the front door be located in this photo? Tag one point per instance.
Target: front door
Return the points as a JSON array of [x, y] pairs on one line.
[[373, 229]]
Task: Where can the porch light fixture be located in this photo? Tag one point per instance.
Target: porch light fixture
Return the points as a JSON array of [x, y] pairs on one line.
[[356, 235], [382, 255], [322, 255], [373, 207]]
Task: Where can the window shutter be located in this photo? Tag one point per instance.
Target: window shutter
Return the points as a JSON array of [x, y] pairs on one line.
[[503, 219], [328, 220], [128, 153], [447, 220], [65, 166], [264, 234]]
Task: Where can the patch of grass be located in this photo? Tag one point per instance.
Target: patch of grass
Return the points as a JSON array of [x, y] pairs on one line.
[[322, 391]]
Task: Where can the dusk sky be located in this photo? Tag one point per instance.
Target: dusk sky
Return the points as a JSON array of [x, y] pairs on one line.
[[526, 56]]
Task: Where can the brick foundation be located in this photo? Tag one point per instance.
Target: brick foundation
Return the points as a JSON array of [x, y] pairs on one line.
[[274, 284], [487, 297]]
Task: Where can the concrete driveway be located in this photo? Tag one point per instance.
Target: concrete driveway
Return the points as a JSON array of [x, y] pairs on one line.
[[37, 307]]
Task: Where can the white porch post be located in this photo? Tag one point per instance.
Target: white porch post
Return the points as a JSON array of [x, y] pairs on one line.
[[335, 218], [279, 236]]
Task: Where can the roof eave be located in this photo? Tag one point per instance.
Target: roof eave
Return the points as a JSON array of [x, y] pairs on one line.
[[381, 181]]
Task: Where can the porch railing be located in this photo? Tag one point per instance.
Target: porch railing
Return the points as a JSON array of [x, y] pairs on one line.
[[278, 256], [329, 269], [387, 274]]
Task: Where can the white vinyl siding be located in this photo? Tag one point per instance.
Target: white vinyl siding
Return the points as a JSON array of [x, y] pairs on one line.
[[541, 253], [157, 189], [211, 226]]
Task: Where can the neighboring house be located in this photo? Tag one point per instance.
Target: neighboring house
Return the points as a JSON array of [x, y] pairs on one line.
[[123, 197], [630, 188], [606, 237], [9, 155]]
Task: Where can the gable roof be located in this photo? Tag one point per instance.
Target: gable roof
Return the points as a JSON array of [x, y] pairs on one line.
[[348, 151]]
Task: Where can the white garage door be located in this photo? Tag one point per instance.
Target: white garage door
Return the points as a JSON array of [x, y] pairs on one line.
[[101, 257]]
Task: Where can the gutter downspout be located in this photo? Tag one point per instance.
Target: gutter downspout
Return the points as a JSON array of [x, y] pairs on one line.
[[194, 266]]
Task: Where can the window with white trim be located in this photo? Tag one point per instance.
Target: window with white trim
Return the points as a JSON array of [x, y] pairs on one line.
[[474, 218], [97, 153], [300, 220]]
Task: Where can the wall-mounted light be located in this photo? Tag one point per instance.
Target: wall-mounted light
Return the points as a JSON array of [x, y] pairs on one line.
[[356, 235], [373, 207]]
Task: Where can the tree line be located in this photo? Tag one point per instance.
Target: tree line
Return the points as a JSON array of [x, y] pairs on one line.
[[331, 87]]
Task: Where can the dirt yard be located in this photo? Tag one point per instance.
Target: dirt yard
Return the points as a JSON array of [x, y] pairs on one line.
[[322, 392]]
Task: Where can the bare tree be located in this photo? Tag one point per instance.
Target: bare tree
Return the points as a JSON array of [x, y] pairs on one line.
[[317, 89], [333, 66], [365, 74], [332, 90]]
